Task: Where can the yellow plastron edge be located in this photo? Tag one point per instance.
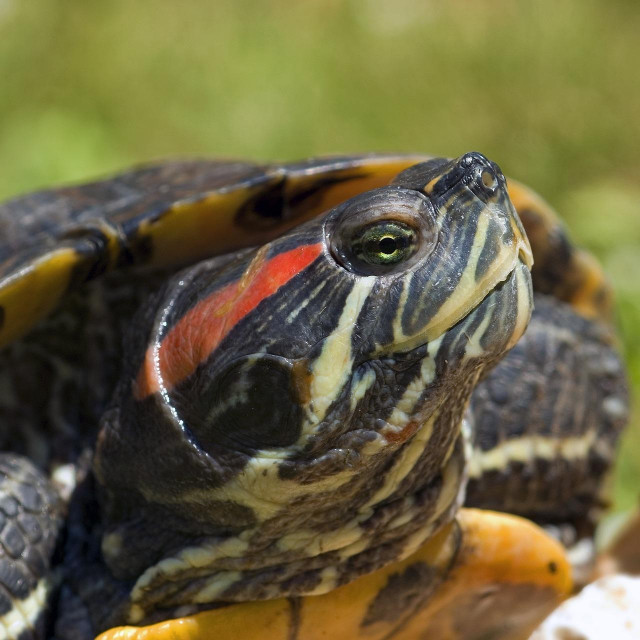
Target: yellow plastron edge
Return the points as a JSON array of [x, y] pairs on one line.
[[507, 576]]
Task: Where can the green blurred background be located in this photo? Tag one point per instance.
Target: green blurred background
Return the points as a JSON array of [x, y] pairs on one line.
[[548, 88]]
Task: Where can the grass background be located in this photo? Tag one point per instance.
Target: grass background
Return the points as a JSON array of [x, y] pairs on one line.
[[548, 88]]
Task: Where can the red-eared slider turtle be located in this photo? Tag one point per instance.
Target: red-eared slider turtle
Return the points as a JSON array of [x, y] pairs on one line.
[[272, 442]]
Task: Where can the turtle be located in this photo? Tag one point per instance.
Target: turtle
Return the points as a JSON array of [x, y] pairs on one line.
[[291, 400]]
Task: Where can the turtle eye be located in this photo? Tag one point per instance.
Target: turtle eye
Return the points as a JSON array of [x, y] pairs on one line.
[[382, 232], [384, 243]]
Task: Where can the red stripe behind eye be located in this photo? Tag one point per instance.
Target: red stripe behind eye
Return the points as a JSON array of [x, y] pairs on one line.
[[194, 337]]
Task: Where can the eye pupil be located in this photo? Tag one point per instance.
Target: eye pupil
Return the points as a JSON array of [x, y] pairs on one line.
[[388, 245], [385, 243]]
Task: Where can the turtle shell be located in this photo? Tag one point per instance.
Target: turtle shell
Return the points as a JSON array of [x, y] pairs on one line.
[[172, 214]]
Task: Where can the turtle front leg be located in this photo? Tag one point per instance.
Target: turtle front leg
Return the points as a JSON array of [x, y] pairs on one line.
[[30, 524]]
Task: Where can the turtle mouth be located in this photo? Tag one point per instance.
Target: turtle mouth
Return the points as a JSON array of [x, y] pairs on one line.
[[519, 279], [507, 305], [478, 292]]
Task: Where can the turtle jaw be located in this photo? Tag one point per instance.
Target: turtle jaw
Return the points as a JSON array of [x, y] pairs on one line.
[[524, 305], [518, 309], [506, 310]]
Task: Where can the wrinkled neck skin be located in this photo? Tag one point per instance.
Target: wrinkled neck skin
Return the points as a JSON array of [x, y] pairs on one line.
[[368, 500]]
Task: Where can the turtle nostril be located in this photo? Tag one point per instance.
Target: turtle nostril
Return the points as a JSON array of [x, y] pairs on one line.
[[489, 179]]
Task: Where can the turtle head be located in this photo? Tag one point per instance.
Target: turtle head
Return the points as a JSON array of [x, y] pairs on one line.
[[295, 418]]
